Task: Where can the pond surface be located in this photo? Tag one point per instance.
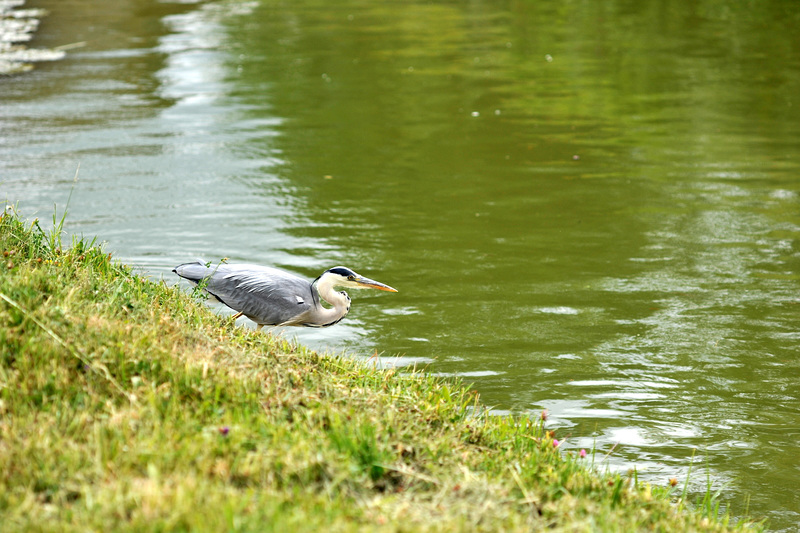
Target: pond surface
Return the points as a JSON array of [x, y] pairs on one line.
[[588, 208]]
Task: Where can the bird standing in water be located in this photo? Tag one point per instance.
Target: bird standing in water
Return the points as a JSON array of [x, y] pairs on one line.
[[272, 297]]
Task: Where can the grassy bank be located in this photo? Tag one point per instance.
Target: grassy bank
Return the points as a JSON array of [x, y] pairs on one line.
[[126, 405]]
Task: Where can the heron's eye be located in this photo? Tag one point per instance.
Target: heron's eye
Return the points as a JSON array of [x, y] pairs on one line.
[[351, 278]]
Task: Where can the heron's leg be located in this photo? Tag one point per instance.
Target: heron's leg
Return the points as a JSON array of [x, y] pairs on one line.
[[238, 315], [259, 326]]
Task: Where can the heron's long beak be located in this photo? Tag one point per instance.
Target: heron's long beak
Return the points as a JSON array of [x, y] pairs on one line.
[[366, 283]]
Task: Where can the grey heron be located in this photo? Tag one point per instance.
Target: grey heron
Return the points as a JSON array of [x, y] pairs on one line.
[[272, 297]]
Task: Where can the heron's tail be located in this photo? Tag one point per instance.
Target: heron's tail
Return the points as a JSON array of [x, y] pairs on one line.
[[194, 272]]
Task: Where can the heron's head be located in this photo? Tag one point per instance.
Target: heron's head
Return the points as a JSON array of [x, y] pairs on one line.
[[344, 277]]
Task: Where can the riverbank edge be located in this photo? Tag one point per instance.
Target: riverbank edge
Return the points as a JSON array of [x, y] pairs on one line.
[[128, 405]]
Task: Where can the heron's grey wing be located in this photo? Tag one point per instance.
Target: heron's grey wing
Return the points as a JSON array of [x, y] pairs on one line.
[[264, 295]]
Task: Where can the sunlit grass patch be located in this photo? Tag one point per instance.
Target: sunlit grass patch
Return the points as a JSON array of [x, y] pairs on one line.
[[126, 404]]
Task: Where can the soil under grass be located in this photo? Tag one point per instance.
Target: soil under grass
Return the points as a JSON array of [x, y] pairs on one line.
[[127, 405]]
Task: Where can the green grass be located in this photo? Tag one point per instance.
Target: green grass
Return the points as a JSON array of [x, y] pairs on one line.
[[128, 405]]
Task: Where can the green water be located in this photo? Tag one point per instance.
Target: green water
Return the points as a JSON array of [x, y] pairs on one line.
[[588, 208]]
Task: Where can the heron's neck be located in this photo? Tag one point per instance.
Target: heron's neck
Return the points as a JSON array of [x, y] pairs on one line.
[[339, 300]]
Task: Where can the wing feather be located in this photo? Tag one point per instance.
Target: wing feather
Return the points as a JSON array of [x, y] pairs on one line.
[[264, 295]]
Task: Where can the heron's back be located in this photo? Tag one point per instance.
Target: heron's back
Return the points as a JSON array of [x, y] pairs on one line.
[[265, 295]]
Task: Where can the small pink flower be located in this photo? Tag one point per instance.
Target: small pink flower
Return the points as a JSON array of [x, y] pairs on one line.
[[555, 443], [544, 415], [224, 430], [583, 453]]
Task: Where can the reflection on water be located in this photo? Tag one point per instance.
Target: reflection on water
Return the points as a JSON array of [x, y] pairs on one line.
[[589, 210], [16, 28]]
